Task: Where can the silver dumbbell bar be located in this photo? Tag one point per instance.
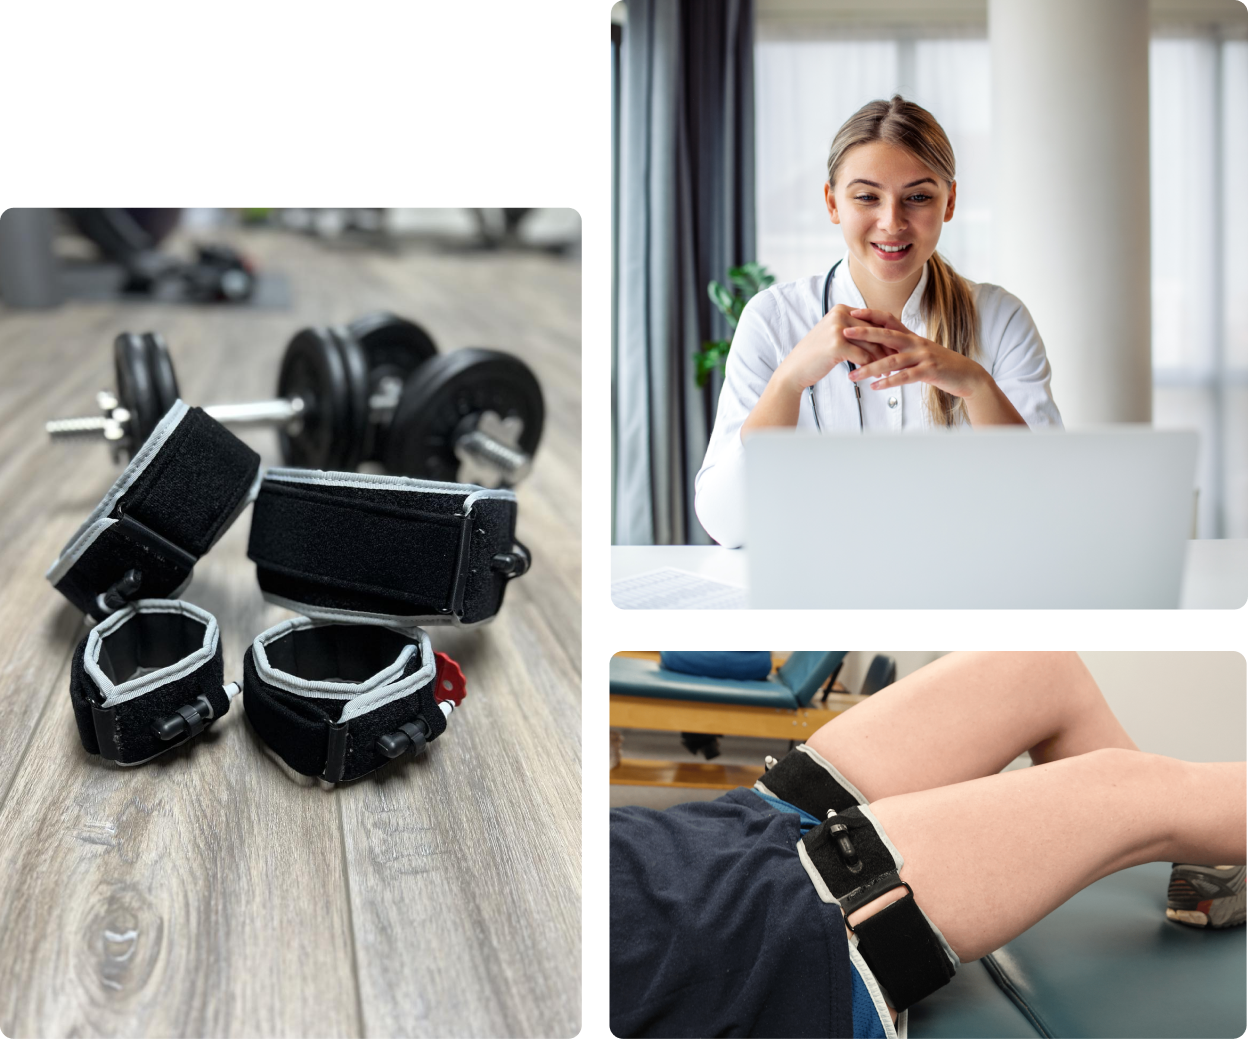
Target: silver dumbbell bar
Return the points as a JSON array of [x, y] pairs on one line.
[[488, 452]]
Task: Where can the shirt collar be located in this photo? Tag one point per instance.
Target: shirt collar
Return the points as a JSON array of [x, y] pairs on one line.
[[845, 291]]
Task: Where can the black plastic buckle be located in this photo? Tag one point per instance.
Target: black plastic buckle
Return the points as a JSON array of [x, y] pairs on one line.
[[838, 832], [123, 589], [859, 897], [190, 718], [336, 752], [160, 545], [513, 563], [460, 579], [105, 719], [412, 736]]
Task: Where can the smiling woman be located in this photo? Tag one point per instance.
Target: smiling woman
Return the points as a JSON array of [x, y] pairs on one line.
[[880, 155], [893, 316]]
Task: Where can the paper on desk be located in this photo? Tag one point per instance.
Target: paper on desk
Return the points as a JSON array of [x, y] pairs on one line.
[[672, 589]]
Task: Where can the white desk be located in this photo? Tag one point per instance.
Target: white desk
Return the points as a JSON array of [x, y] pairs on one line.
[[1215, 576]]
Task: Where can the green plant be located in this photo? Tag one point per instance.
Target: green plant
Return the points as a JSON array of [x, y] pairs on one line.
[[748, 281]]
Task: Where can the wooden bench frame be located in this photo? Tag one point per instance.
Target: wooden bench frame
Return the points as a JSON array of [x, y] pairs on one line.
[[646, 712]]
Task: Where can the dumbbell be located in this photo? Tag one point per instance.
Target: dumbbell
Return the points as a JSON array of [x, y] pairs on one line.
[[318, 411], [375, 390]]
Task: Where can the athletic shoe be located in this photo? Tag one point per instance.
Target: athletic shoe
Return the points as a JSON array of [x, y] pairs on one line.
[[1206, 896]]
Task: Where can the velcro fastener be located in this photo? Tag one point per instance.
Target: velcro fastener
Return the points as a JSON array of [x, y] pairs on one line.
[[806, 781], [387, 549], [900, 945], [322, 695], [903, 952], [178, 495], [154, 661], [875, 857]]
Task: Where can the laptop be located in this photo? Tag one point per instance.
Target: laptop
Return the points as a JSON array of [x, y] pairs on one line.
[[998, 518]]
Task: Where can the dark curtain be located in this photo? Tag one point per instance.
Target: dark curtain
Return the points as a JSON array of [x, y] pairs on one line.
[[685, 167]]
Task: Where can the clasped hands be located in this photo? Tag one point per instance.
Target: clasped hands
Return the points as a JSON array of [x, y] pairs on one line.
[[915, 359]]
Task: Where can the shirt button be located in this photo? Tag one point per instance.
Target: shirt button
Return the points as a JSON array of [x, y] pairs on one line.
[[892, 402]]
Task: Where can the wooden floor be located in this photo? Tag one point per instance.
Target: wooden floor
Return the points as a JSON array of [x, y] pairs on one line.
[[207, 894]]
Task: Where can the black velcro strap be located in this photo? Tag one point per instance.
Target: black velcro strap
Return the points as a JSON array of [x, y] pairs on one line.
[[844, 874], [384, 548], [902, 951], [898, 943], [801, 781], [322, 696], [177, 496], [146, 680]]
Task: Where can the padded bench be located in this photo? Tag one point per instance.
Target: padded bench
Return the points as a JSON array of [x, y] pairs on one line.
[[791, 687], [1106, 963], [645, 695]]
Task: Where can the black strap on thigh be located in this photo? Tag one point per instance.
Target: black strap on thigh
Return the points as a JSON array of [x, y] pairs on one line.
[[806, 781], [388, 549], [148, 679], [900, 946], [178, 495], [340, 700]]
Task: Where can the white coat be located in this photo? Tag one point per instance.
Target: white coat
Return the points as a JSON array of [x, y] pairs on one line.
[[776, 320]]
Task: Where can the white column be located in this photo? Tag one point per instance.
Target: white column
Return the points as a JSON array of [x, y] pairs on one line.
[[1071, 205]]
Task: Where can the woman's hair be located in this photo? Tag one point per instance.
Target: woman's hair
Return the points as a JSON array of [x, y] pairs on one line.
[[947, 302]]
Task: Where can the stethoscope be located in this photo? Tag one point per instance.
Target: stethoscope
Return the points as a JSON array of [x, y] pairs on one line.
[[827, 284]]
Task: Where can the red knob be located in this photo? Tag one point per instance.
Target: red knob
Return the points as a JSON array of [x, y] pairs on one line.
[[450, 683]]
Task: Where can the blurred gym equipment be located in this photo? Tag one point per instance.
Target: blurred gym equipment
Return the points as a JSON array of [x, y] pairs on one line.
[[375, 390], [129, 237]]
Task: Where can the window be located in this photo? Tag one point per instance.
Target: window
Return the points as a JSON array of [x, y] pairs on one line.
[[806, 87], [618, 17], [1198, 113]]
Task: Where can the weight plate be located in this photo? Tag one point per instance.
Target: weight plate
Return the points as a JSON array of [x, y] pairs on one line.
[[394, 347], [440, 400], [136, 386], [355, 365], [314, 369], [160, 364]]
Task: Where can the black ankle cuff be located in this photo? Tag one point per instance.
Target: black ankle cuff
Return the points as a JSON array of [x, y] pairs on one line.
[[178, 495]]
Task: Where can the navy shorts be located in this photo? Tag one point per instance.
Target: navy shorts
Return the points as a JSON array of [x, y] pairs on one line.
[[716, 928]]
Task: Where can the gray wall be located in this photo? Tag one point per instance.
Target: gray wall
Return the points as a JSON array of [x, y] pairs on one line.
[[1186, 705]]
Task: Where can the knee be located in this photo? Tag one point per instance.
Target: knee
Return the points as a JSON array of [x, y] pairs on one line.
[[1070, 674]]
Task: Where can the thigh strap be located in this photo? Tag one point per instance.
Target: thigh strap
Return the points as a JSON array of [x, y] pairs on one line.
[[808, 781], [852, 862], [148, 679], [340, 700], [178, 495], [384, 549]]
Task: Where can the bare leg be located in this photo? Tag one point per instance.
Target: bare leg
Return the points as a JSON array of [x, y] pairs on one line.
[[989, 857], [969, 715]]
